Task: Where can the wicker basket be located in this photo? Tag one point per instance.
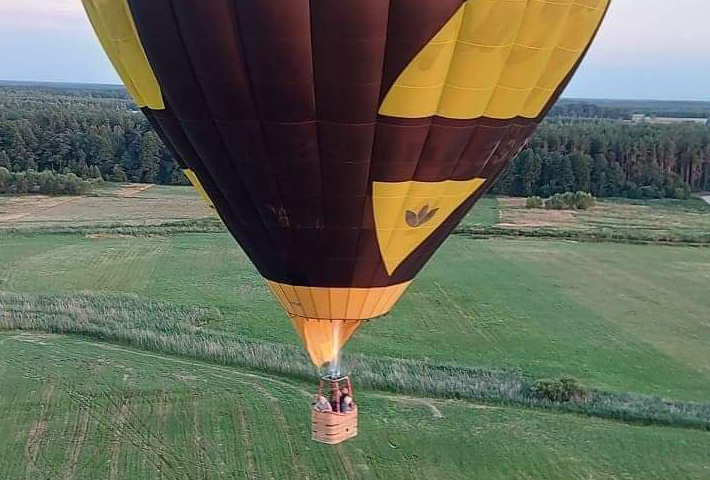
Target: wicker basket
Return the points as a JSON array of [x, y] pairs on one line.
[[332, 427]]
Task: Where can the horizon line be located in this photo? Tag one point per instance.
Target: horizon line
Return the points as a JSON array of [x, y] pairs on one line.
[[120, 85]]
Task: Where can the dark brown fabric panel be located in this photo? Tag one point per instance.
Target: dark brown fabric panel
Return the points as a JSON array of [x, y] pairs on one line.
[[442, 152], [437, 149], [276, 39], [276, 35], [348, 40], [482, 146], [175, 139], [168, 52], [170, 126], [397, 150], [210, 37]]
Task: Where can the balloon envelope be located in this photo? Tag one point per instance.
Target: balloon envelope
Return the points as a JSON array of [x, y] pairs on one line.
[[342, 141]]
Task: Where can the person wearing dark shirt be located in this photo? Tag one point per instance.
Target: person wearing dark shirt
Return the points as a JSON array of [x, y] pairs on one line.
[[345, 401]]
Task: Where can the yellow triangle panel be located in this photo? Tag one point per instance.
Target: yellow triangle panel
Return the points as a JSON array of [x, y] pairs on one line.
[[497, 59], [407, 213]]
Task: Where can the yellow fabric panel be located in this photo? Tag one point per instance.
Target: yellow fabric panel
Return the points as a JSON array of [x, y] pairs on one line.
[[198, 186], [356, 301], [108, 47], [326, 318], [510, 57], [279, 294], [342, 303], [573, 39], [425, 77], [583, 20], [321, 302], [369, 305], [391, 202], [542, 23], [324, 339], [113, 23], [483, 26]]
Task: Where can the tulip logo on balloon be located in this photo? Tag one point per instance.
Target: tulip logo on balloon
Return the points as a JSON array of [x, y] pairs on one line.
[[415, 220]]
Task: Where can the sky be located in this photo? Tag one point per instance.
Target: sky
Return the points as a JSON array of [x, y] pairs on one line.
[[646, 49]]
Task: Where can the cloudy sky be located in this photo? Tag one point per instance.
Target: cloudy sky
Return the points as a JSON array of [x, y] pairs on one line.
[[654, 49]]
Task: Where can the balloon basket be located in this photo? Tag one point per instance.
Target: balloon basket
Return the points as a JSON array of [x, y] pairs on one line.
[[334, 427]]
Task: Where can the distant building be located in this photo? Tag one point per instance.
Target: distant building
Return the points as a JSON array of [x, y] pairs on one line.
[[641, 118]]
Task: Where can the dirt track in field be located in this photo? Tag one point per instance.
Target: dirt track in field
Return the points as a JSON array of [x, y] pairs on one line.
[[132, 189]]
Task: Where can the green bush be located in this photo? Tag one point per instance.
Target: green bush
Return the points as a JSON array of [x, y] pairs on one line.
[[45, 182], [584, 200], [682, 193], [631, 190], [4, 179], [534, 202], [651, 192], [558, 390], [570, 201], [557, 202]]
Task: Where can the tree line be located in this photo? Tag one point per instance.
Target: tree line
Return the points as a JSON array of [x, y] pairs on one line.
[[92, 134], [99, 133], [610, 158], [624, 109]]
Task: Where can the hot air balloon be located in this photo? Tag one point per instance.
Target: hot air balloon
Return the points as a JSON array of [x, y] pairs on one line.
[[341, 141]]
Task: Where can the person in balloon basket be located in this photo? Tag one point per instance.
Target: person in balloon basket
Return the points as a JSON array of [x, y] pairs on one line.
[[346, 401], [322, 404], [335, 398]]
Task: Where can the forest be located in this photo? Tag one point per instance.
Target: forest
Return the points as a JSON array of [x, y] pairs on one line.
[[610, 158], [97, 132], [91, 132]]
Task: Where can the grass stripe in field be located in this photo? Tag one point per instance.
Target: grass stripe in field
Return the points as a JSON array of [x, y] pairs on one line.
[[172, 329]]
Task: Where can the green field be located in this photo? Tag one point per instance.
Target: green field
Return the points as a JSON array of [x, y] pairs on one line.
[[76, 409], [617, 316]]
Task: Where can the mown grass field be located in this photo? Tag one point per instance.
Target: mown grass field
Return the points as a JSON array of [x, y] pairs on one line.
[[668, 222], [650, 215], [130, 204], [617, 316], [76, 409]]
